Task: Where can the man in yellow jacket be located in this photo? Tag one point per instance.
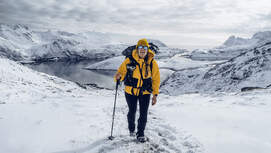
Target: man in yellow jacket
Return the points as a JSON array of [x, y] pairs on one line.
[[141, 77]]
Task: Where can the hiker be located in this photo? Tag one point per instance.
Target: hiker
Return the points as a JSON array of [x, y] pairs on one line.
[[141, 77]]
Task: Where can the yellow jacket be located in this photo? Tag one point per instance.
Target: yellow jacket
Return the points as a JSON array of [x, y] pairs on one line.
[[154, 74]]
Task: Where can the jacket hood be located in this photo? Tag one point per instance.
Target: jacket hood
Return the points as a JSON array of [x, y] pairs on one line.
[[143, 42]]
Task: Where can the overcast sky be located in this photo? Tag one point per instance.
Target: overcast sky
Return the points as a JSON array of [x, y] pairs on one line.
[[182, 23]]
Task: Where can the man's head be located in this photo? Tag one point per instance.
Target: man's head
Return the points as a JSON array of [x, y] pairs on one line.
[[142, 48]]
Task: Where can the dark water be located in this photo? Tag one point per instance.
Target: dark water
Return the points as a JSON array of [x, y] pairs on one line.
[[73, 71]]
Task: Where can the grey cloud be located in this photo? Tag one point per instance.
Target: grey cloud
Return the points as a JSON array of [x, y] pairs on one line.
[[122, 15], [18, 11], [185, 16]]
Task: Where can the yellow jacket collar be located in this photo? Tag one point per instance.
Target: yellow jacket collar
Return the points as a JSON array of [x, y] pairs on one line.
[[150, 55]]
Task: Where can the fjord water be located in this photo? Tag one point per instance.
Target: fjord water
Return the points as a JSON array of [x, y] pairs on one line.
[[74, 71]]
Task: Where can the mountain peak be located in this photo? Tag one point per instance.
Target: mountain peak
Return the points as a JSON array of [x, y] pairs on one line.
[[157, 42], [264, 35], [233, 41]]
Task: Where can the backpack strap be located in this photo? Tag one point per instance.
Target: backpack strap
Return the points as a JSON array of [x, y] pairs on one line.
[[134, 62], [151, 65], [141, 75], [154, 47]]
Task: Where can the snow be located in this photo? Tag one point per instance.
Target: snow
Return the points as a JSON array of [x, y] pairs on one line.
[[178, 62], [250, 69], [165, 74], [223, 123], [165, 52], [41, 113], [108, 64]]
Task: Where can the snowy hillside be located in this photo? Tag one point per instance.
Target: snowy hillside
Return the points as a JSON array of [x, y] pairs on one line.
[[232, 47], [235, 41], [108, 64], [250, 69], [43, 114], [178, 62], [24, 84]]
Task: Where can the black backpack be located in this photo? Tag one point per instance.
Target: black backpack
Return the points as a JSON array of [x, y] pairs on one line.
[[128, 51]]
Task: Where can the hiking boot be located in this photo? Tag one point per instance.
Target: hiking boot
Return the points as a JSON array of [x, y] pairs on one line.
[[141, 139]]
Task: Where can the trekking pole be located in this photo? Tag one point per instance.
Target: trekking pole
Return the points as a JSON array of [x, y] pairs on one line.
[[117, 84]]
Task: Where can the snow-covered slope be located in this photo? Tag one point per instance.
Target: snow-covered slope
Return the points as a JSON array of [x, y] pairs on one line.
[[166, 52], [108, 64], [232, 47], [14, 40], [224, 123], [178, 62], [250, 69], [20, 82], [43, 114]]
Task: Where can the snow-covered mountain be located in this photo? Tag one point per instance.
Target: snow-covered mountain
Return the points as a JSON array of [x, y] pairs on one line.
[[19, 42], [232, 47], [262, 36], [235, 41], [157, 42], [250, 69]]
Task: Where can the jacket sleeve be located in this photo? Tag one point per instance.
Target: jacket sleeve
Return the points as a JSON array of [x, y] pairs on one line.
[[123, 69], [155, 78]]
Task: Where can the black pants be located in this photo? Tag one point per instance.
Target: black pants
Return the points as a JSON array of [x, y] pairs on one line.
[[144, 101]]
